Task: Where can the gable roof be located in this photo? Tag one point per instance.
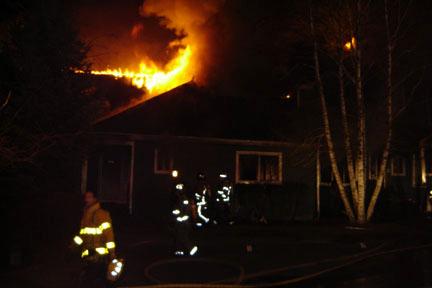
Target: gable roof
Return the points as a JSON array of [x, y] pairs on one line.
[[190, 110]]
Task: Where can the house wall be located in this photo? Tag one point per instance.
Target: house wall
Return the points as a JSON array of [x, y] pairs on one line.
[[293, 199], [400, 197]]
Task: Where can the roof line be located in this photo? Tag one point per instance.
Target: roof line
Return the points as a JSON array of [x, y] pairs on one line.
[[133, 136], [119, 110], [133, 104]]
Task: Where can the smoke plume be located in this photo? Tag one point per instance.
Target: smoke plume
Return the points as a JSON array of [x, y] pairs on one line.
[[190, 21]]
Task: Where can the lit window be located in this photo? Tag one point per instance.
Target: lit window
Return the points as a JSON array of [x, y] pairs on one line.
[[269, 168], [258, 167], [398, 166], [163, 161]]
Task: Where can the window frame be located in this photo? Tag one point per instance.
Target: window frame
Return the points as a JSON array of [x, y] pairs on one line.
[[325, 168], [344, 175], [279, 156], [156, 169], [372, 165], [343, 170], [427, 160], [393, 173]]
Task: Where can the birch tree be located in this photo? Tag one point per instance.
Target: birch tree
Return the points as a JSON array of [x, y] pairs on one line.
[[341, 32]]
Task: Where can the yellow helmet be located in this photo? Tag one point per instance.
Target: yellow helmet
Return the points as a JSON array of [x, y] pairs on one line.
[[115, 268]]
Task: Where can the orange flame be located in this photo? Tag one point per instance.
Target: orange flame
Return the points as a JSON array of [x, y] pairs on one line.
[[152, 78], [187, 19], [349, 45]]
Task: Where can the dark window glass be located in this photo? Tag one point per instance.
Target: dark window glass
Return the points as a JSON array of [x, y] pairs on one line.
[[373, 168], [248, 165], [398, 166], [163, 160], [326, 175]]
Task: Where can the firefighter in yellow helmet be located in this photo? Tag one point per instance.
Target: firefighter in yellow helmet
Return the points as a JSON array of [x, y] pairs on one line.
[[96, 242]]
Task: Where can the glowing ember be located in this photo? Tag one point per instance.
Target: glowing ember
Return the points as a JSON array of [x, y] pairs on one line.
[[152, 78]]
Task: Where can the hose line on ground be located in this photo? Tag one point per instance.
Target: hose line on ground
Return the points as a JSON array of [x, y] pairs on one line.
[[351, 260], [302, 265], [236, 280]]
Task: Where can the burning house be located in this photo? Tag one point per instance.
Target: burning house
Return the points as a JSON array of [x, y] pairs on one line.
[[188, 128], [192, 130], [257, 140]]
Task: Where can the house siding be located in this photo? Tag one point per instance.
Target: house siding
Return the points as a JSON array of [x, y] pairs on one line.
[[294, 199]]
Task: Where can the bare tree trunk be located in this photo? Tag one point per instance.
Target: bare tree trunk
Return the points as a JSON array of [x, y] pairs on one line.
[[386, 151], [361, 124], [422, 163], [327, 131], [347, 136]]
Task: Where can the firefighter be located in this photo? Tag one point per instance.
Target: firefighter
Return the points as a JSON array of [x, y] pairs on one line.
[[223, 200], [202, 200], [182, 216], [96, 243]]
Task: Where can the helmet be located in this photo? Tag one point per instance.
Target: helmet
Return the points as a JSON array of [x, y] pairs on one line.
[[115, 268]]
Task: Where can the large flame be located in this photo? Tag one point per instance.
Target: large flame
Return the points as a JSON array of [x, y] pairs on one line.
[[187, 20], [154, 79]]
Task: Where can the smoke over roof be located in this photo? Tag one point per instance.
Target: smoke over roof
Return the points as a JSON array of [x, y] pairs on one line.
[[124, 33]]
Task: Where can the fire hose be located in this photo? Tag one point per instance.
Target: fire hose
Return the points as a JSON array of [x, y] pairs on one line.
[[349, 260], [237, 280]]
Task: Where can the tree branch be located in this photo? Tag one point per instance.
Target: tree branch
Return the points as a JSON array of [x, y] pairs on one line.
[[6, 102]]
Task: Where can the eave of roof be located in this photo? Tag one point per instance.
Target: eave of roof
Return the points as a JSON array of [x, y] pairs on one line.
[[223, 141]]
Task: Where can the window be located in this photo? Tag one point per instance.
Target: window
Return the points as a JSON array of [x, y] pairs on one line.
[[428, 161], [248, 167], [326, 174], [258, 167], [163, 161], [344, 174], [328, 177], [425, 163], [398, 166], [373, 168], [269, 168], [110, 172]]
